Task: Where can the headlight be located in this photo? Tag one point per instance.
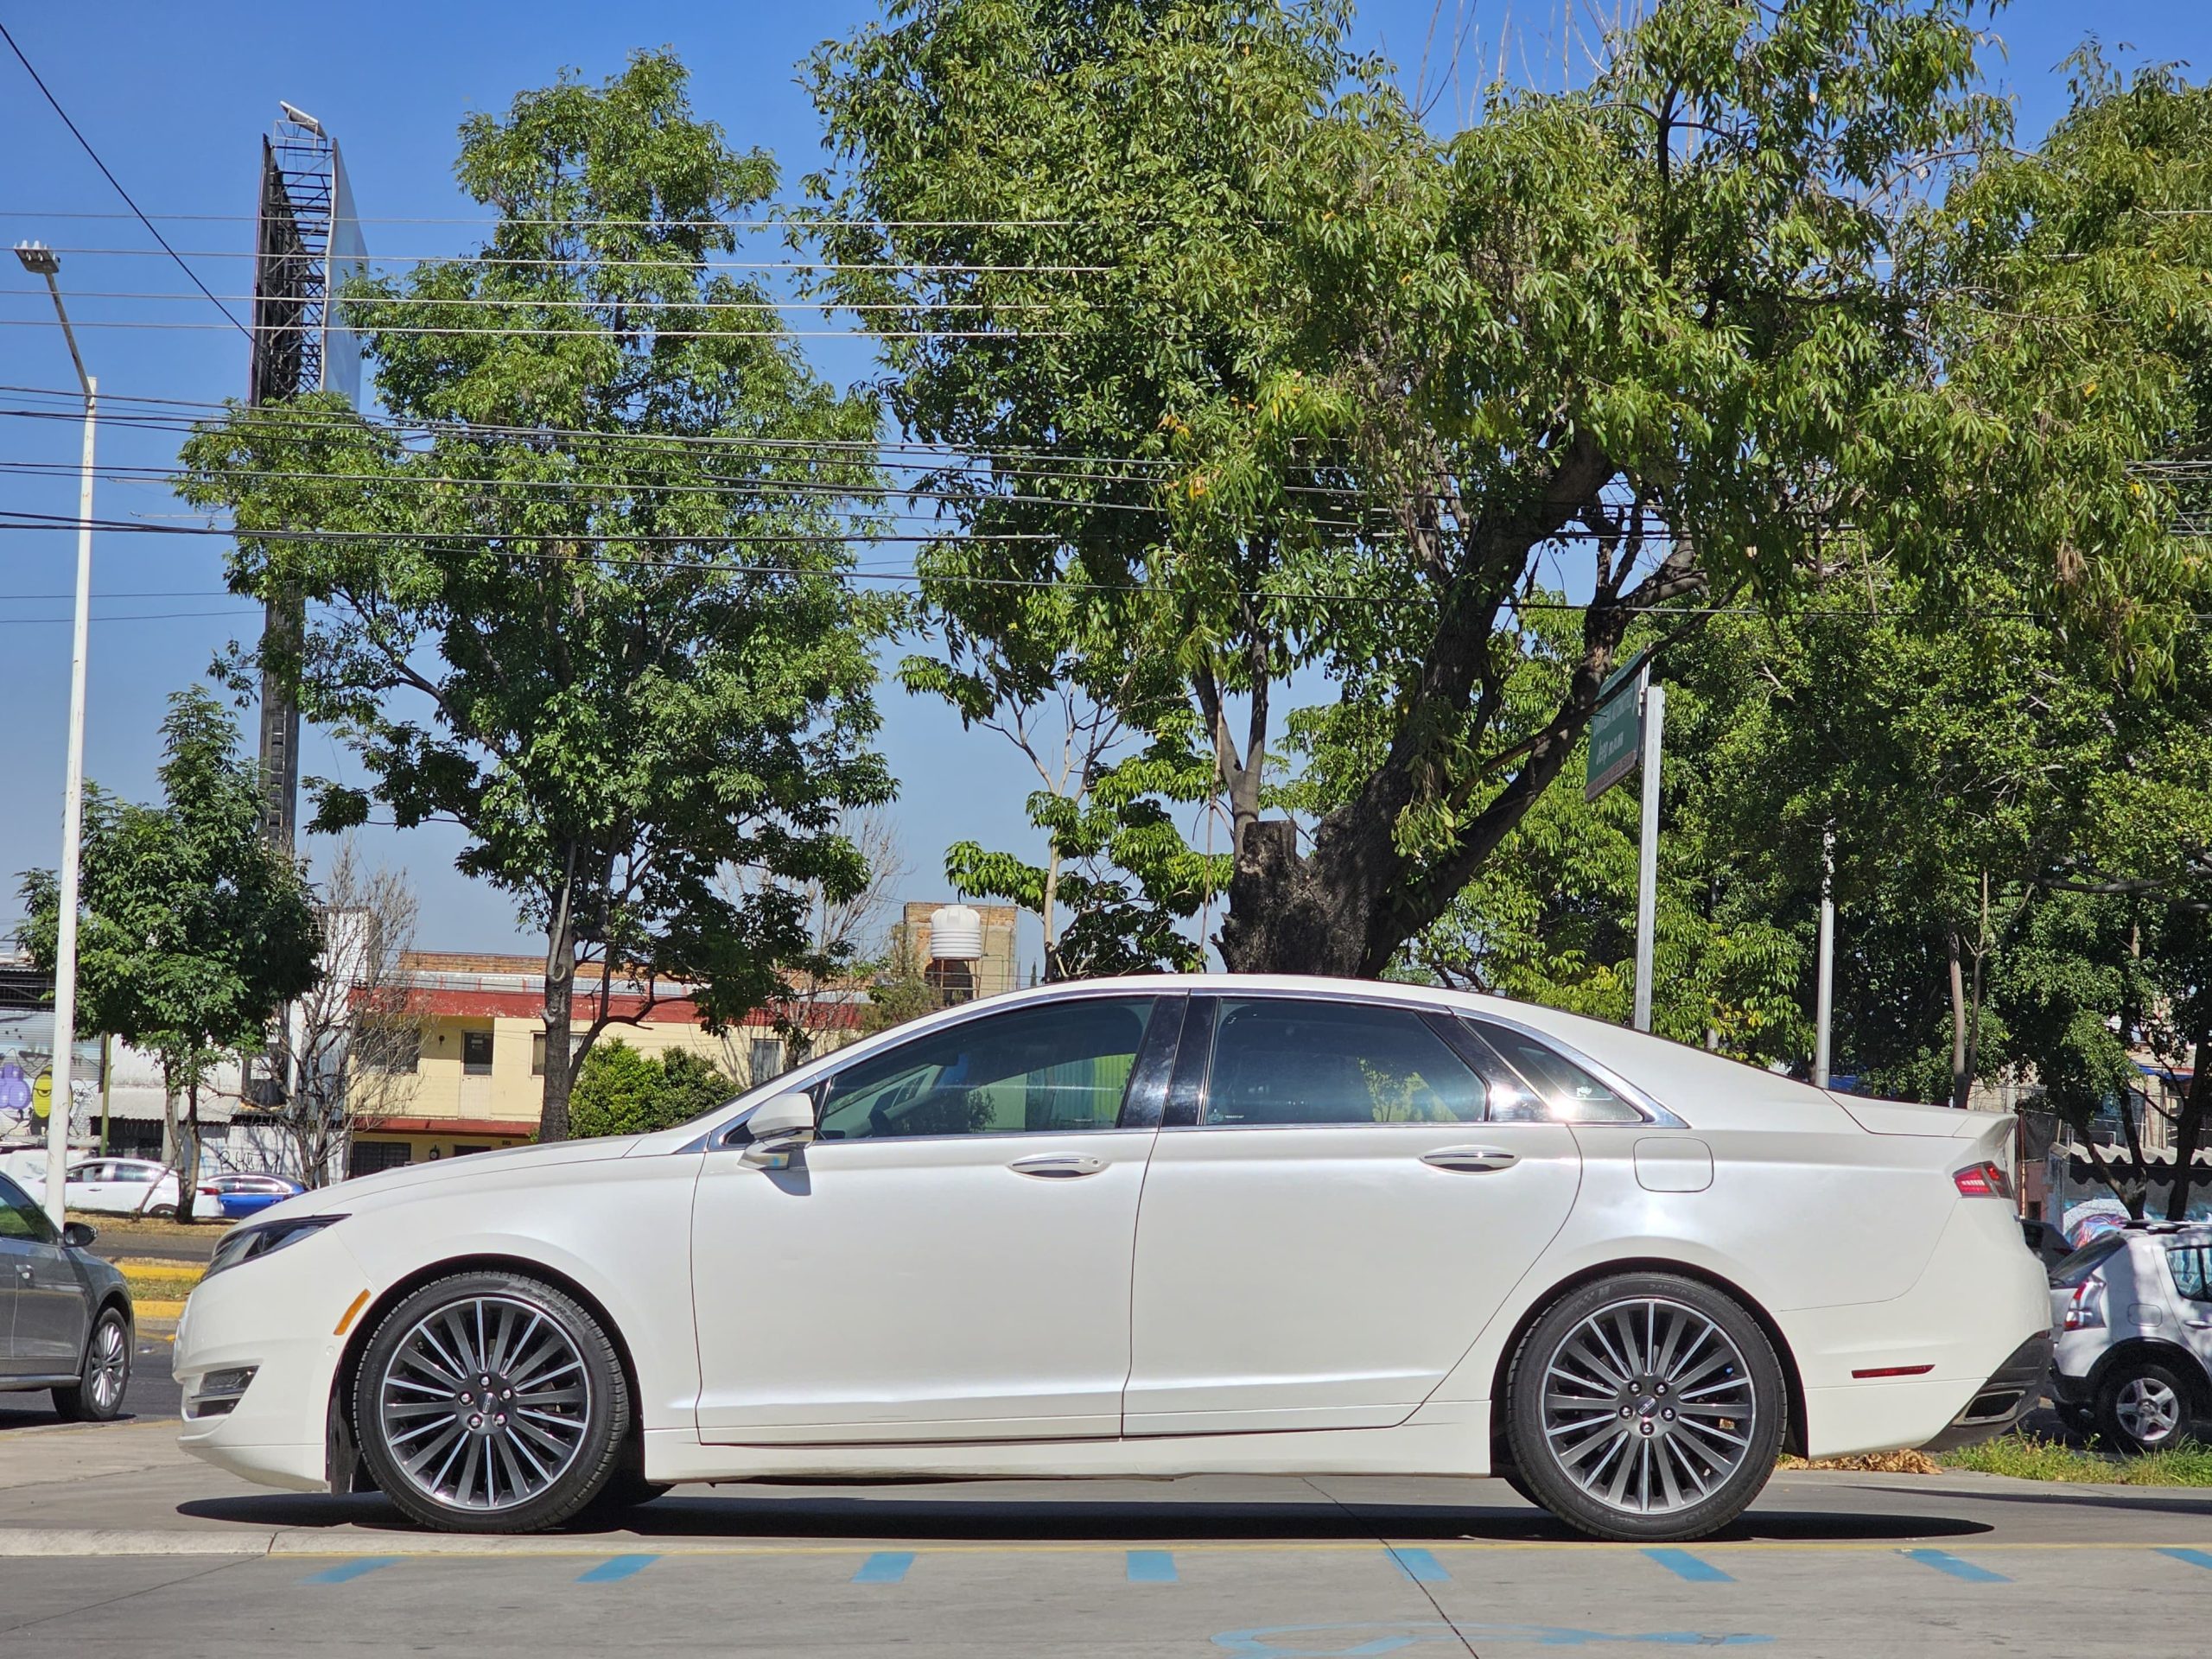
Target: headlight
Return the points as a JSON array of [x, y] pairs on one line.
[[244, 1243]]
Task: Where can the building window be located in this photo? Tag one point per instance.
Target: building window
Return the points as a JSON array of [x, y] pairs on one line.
[[463, 1152], [394, 1052], [767, 1058], [368, 1157], [476, 1053], [537, 1050]]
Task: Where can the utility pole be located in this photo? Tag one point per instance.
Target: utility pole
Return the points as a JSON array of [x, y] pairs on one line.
[[40, 261], [1824, 997], [1647, 850]]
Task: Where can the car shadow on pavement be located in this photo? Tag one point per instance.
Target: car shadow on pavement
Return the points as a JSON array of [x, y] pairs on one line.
[[2139, 1501], [719, 1514]]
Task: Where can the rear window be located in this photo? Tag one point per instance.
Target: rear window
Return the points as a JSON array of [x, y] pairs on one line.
[[2078, 1267], [2191, 1265]]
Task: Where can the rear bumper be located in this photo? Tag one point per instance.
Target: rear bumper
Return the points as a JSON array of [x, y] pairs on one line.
[[2011, 1393]]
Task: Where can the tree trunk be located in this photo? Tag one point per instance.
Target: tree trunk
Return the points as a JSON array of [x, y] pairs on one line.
[[560, 999], [1961, 1078], [187, 1174], [2188, 1126]]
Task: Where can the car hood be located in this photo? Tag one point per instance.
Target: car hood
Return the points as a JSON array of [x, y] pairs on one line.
[[509, 1161]]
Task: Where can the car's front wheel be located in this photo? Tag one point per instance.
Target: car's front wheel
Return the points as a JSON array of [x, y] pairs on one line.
[[1646, 1407], [2143, 1406], [490, 1401]]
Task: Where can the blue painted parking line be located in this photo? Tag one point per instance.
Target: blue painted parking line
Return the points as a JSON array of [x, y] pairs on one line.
[[1683, 1565], [2194, 1557], [1943, 1561], [885, 1566], [1152, 1566], [1418, 1565], [616, 1569], [353, 1569]]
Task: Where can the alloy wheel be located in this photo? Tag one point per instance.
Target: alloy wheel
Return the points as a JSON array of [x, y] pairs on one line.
[[1649, 1406], [110, 1371], [485, 1402], [2148, 1409]]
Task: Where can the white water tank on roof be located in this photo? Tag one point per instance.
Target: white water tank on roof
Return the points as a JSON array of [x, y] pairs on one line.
[[956, 934]]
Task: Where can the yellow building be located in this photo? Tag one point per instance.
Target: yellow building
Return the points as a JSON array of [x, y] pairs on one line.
[[478, 1078]]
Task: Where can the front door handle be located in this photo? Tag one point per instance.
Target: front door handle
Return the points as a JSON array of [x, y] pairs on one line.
[[1058, 1166], [1469, 1160], [27, 1275]]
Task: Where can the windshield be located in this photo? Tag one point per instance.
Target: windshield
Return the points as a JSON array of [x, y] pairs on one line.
[[2069, 1274]]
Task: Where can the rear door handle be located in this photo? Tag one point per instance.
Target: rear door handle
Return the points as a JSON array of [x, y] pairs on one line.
[[1469, 1160], [1058, 1166]]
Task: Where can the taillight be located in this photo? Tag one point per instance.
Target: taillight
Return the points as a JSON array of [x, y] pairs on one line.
[[2085, 1311], [1982, 1181]]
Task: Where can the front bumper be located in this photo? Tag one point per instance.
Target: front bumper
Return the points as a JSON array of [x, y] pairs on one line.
[[2011, 1393]]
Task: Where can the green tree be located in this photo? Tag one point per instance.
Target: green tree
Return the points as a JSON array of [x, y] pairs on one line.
[[584, 595], [620, 1091], [1274, 380], [193, 931]]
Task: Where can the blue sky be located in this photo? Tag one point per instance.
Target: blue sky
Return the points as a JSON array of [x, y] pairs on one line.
[[176, 99]]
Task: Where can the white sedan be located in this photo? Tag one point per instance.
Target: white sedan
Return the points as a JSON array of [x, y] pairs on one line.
[[114, 1187], [1150, 1227]]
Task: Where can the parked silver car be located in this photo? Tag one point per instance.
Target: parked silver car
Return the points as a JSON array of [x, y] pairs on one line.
[[2132, 1331], [65, 1315]]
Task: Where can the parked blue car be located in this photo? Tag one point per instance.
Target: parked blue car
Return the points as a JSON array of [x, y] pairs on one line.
[[239, 1195]]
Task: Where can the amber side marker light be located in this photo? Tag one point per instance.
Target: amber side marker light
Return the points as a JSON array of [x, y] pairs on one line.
[[1877, 1370], [352, 1312]]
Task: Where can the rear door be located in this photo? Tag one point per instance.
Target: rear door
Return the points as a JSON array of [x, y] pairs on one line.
[[1330, 1216], [17, 1228]]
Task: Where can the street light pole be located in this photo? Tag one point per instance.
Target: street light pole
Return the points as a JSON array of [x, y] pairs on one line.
[[1824, 991], [40, 261]]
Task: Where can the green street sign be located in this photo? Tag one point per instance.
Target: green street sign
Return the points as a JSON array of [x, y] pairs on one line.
[[1616, 730]]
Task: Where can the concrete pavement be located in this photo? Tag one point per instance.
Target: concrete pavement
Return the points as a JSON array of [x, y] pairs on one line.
[[111, 1539]]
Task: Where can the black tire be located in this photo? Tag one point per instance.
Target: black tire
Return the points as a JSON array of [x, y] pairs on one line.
[[103, 1375], [1521, 1488], [2145, 1405], [398, 1393], [1710, 1460], [164, 1212]]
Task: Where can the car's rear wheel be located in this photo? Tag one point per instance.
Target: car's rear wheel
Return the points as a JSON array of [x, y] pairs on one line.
[[490, 1401], [97, 1395], [2143, 1405], [1645, 1407]]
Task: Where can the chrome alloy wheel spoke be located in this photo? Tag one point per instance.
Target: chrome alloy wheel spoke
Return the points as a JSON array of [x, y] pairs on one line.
[[1649, 1406], [111, 1367], [455, 1414]]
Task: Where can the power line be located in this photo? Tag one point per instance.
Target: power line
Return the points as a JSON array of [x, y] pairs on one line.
[[104, 173], [672, 263], [593, 333]]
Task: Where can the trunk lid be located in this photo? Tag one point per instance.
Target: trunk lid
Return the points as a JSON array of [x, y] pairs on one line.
[[1906, 1117]]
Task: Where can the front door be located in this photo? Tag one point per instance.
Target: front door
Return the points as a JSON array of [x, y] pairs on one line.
[[52, 1315], [1332, 1224], [950, 1259]]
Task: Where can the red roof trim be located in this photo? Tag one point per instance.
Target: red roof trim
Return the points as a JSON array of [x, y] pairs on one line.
[[506, 1129]]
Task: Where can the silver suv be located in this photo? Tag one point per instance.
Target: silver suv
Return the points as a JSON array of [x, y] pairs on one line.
[[2130, 1316]]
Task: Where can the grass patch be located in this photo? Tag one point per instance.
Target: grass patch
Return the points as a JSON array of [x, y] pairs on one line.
[[2025, 1457], [160, 1281]]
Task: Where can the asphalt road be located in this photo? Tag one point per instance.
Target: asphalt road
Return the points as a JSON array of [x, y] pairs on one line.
[[111, 1543]]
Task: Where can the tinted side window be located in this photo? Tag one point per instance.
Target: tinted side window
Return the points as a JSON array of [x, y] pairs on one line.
[[1295, 1061], [20, 1218], [2192, 1270], [1547, 1086], [1034, 1070]]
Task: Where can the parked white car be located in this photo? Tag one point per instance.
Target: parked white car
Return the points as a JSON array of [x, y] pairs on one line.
[[115, 1186], [1162, 1226], [2132, 1316]]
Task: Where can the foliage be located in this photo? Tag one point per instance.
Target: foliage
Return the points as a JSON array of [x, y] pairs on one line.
[[193, 931], [1273, 380], [585, 595], [620, 1091], [2027, 1457]]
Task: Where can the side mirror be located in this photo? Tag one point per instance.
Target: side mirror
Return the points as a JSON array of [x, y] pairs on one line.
[[779, 1127], [77, 1234]]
